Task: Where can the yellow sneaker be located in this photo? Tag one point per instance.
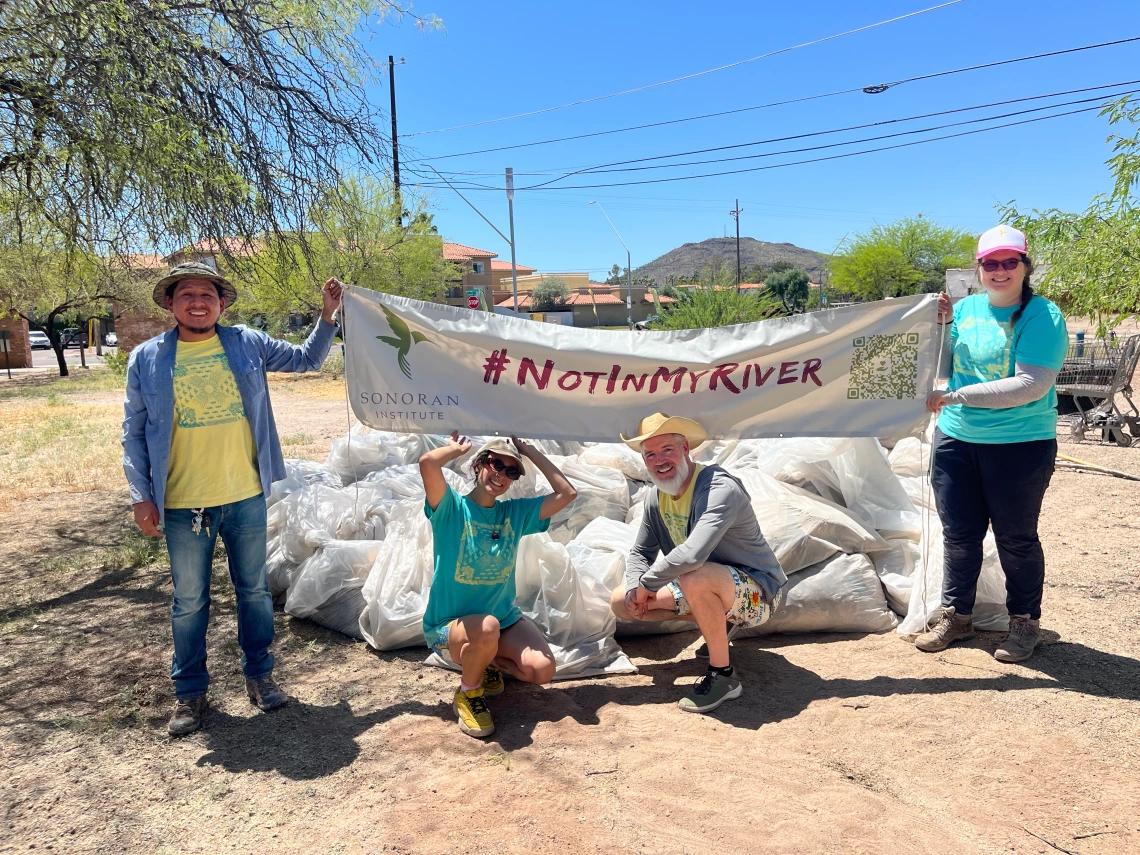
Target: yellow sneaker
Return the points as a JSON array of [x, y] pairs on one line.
[[474, 717], [493, 682]]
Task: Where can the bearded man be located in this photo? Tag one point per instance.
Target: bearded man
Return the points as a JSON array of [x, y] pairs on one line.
[[699, 555]]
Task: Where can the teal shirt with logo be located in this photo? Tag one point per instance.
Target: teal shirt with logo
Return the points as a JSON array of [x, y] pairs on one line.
[[475, 551], [986, 347]]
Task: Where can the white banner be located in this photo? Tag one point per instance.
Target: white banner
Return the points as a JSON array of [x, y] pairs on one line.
[[421, 367]]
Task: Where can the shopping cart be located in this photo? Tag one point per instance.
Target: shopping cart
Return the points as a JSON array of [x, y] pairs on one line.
[[1094, 374]]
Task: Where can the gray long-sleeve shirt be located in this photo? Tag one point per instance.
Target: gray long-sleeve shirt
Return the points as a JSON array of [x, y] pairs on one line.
[[722, 528]]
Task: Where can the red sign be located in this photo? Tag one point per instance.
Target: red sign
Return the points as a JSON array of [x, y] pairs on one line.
[[472, 302]]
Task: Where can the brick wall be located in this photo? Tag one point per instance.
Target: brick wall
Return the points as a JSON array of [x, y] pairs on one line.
[[134, 326], [20, 351]]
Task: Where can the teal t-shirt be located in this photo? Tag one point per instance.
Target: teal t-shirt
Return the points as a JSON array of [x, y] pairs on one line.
[[986, 347], [475, 550]]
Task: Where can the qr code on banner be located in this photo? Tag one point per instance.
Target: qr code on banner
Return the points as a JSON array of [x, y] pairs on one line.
[[884, 366]]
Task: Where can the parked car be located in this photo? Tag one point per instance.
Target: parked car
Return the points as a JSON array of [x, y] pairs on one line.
[[647, 323], [39, 340], [72, 336], [111, 340]]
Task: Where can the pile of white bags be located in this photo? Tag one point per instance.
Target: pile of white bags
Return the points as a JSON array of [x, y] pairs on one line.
[[351, 548]]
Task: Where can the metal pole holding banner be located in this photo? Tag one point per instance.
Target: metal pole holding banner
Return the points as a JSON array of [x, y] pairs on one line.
[[511, 214], [628, 270], [5, 344]]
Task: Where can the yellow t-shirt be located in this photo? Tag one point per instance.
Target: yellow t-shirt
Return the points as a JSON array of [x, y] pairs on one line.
[[213, 458], [675, 512]]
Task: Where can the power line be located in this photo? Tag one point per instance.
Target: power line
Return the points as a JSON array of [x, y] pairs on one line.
[[800, 100], [604, 167], [815, 159], [689, 76], [625, 168]]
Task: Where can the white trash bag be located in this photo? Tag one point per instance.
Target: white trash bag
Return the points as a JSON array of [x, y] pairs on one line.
[[896, 571], [396, 590], [336, 565]]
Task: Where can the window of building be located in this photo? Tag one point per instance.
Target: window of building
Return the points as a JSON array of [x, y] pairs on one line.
[[476, 266]]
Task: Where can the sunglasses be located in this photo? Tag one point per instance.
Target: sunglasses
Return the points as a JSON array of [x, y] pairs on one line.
[[512, 472], [1005, 264]]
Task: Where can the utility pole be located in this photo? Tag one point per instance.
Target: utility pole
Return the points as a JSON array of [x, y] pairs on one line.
[[736, 216], [511, 214], [395, 143]]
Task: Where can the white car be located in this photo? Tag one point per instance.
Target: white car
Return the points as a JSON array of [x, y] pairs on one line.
[[111, 340], [39, 340]]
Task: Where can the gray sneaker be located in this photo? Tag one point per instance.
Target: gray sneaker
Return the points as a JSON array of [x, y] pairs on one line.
[[712, 691], [1024, 636], [265, 694], [187, 716], [951, 627]]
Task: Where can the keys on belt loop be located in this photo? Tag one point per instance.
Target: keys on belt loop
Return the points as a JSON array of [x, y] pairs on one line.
[[200, 518]]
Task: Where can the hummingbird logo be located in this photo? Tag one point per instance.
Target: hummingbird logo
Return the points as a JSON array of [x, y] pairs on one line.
[[402, 339]]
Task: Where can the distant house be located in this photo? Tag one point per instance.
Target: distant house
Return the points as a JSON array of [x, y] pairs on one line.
[[478, 271]]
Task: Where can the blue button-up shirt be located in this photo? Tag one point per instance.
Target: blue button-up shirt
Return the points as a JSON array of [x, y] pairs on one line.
[[148, 420]]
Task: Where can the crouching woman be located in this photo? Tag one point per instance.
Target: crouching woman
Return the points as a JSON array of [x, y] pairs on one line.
[[471, 618]]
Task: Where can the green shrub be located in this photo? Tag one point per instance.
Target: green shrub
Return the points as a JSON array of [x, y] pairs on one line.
[[117, 363], [551, 294], [717, 307]]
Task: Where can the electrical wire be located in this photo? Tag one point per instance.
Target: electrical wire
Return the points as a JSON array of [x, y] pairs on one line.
[[800, 100], [604, 167], [805, 161], [688, 76]]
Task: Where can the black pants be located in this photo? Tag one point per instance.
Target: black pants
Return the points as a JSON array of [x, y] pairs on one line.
[[978, 485]]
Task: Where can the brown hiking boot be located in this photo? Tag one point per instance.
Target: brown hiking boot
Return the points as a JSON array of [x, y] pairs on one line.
[[265, 694], [951, 627], [187, 716], [1024, 636]]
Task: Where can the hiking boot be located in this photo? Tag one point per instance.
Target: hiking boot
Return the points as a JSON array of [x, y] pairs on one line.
[[951, 627], [1024, 636], [265, 694], [471, 709], [713, 690], [493, 682], [187, 715]]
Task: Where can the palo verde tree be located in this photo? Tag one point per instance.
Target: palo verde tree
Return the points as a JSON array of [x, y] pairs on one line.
[[45, 277], [909, 256], [790, 287], [1092, 259], [158, 123], [355, 235]]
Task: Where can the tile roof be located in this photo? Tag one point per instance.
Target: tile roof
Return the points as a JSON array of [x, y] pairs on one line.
[[505, 266], [234, 246], [572, 300], [459, 252]]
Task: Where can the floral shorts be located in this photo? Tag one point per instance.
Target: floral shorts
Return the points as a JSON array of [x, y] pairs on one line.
[[440, 645], [749, 608]]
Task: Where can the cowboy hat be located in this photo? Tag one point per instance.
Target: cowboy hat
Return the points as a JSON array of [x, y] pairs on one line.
[[503, 448], [659, 424], [193, 270]]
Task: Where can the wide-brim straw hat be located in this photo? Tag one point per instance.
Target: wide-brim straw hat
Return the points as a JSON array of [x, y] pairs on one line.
[[193, 270], [503, 448], [659, 424]]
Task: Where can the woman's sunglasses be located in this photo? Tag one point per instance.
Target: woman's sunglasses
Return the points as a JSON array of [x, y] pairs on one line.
[[1004, 264], [512, 472]]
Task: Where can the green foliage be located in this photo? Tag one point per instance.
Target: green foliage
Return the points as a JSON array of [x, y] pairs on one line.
[[1092, 259], [117, 363], [780, 265], [717, 307], [618, 277], [790, 287], [352, 235], [908, 256], [169, 123], [550, 295]]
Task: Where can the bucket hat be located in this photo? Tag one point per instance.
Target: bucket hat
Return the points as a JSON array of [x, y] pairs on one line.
[[503, 448], [193, 270]]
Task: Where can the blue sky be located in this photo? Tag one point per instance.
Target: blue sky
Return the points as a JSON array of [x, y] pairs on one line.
[[499, 59]]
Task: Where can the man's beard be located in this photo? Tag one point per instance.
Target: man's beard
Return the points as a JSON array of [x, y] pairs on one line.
[[672, 486]]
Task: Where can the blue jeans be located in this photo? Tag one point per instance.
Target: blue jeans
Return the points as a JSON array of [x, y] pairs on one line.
[[242, 527], [977, 485]]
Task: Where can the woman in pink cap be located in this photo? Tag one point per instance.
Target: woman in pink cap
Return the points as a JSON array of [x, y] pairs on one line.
[[996, 441]]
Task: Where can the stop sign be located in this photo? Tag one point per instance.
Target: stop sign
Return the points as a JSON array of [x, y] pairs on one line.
[[472, 302]]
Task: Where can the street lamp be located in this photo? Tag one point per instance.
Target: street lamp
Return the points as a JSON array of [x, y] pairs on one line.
[[628, 269]]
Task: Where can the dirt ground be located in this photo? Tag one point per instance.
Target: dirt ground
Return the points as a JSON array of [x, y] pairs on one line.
[[841, 743]]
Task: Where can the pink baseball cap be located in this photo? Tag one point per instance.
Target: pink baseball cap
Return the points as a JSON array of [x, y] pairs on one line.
[[999, 238]]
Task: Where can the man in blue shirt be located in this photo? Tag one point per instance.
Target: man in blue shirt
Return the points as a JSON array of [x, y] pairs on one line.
[[200, 451]]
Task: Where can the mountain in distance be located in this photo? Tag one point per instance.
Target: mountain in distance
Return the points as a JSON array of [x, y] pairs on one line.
[[691, 257]]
